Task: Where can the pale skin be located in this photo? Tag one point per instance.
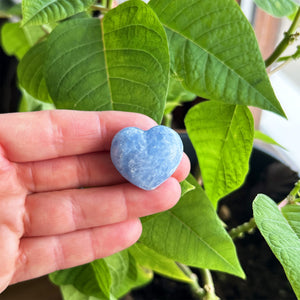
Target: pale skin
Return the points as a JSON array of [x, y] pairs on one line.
[[47, 222]]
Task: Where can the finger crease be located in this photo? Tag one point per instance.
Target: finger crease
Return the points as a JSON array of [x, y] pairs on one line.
[[81, 169], [26, 220], [77, 213], [32, 178], [102, 131], [93, 244], [59, 254], [124, 197], [57, 136]]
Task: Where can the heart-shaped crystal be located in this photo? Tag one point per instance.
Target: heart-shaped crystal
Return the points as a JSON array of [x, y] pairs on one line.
[[146, 158]]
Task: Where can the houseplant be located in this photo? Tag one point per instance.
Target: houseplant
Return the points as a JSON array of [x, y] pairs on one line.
[[81, 54]]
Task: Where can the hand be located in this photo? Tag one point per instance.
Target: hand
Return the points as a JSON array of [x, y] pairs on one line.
[[47, 222]]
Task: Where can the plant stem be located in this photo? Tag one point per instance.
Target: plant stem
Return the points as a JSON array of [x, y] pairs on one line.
[[167, 120], [280, 66], [241, 229], [208, 285], [291, 197], [195, 287], [288, 37], [109, 4], [100, 8]]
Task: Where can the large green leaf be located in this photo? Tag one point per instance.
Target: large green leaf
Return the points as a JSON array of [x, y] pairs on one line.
[[214, 52], [222, 135], [31, 72], [158, 263], [17, 40], [277, 8], [192, 233], [292, 214], [37, 12], [120, 62], [280, 236]]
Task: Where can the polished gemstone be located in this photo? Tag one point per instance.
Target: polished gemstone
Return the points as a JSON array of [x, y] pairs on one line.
[[146, 158]]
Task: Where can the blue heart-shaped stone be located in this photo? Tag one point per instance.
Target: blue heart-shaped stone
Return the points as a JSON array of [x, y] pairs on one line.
[[146, 158]]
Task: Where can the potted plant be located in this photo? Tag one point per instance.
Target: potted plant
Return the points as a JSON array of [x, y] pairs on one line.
[[148, 58]]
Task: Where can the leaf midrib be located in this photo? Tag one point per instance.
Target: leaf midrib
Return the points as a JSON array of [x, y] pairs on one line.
[[220, 61], [41, 9], [199, 237], [222, 149], [105, 63]]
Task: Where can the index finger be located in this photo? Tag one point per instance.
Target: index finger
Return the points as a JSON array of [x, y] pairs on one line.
[[50, 134]]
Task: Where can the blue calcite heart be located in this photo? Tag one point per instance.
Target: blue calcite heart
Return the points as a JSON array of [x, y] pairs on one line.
[[146, 158]]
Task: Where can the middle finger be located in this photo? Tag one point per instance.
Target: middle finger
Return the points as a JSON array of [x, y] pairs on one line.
[[65, 211]]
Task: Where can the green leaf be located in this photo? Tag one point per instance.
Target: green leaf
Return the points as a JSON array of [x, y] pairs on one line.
[[29, 103], [192, 233], [18, 40], [158, 263], [177, 94], [277, 8], [265, 138], [120, 275], [292, 214], [31, 72], [82, 278], [280, 237], [103, 276], [119, 63], [118, 265], [69, 292], [37, 12], [136, 276], [214, 52], [222, 135], [108, 278], [186, 186]]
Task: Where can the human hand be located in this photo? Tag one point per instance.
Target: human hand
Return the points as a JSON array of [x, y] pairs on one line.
[[47, 222]]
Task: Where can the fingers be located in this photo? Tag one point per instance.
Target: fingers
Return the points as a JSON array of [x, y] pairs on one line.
[[92, 169], [183, 169], [43, 255], [87, 170], [70, 210], [50, 134]]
